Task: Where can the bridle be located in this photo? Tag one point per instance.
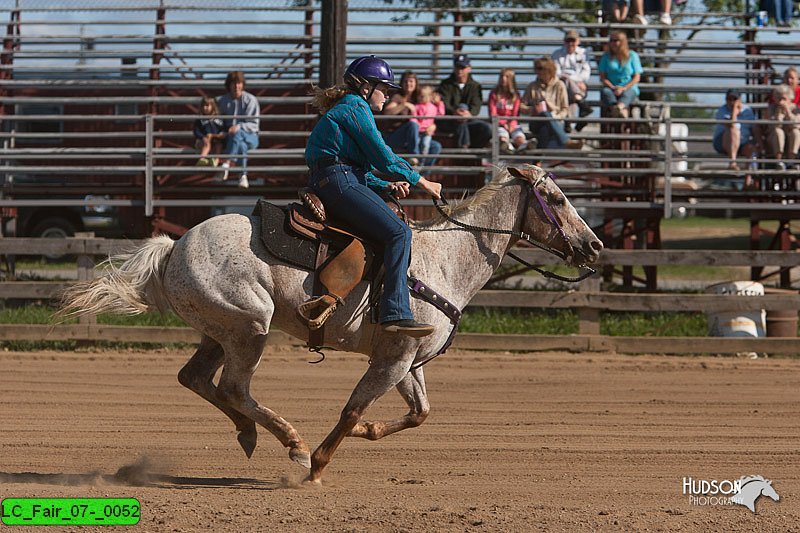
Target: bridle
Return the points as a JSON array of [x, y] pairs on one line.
[[529, 187]]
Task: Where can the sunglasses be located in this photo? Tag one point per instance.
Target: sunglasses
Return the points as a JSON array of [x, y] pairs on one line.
[[614, 40], [570, 40]]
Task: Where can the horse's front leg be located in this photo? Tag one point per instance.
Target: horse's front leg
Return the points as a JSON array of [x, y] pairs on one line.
[[382, 375], [412, 389]]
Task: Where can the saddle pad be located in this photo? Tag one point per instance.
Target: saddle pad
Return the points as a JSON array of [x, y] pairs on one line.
[[280, 241]]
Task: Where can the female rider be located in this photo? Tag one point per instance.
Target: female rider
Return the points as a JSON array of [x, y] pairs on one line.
[[343, 150]]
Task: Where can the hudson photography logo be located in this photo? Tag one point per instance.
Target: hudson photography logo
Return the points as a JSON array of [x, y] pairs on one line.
[[743, 491]]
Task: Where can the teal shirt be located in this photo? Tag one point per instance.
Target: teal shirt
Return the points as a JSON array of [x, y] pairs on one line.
[[618, 74], [348, 131]]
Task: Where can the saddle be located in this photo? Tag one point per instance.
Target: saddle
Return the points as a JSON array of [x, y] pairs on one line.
[[301, 234]]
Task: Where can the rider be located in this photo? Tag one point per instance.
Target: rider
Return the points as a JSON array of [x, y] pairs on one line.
[[343, 150]]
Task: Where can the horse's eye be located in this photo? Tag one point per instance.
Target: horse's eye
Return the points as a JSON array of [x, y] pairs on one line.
[[559, 201]]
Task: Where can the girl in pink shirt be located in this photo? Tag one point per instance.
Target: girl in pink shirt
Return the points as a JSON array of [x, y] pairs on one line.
[[504, 102], [428, 104]]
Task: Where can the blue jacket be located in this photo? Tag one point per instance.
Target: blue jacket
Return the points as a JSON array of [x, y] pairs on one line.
[[348, 132]]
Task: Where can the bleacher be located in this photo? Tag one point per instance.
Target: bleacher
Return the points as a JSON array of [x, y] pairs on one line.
[[100, 99]]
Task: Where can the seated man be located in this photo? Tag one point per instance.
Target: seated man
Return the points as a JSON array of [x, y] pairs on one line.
[[241, 124], [463, 96]]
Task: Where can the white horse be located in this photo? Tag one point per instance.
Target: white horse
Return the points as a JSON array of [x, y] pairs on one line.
[[753, 487], [220, 279]]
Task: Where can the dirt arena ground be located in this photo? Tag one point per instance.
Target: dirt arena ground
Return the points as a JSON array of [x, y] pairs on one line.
[[515, 442]]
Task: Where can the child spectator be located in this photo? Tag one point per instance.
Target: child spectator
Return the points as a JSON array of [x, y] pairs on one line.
[[615, 10], [208, 132], [504, 101], [428, 104]]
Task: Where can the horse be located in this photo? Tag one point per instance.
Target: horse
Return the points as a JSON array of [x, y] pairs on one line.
[[751, 488], [220, 279]]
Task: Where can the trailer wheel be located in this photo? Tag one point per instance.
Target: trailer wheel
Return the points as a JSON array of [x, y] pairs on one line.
[[54, 228]]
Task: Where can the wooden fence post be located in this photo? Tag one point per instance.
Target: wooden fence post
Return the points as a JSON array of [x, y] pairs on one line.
[[86, 272], [589, 317]]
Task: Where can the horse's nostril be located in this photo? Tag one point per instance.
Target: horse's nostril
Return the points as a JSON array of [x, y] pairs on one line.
[[597, 246]]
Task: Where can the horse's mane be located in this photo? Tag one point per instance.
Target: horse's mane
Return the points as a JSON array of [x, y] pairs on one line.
[[481, 196]]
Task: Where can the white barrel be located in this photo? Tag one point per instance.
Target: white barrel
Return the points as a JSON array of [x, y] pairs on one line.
[[737, 323]]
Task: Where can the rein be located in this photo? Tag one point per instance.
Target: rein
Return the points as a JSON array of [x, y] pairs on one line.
[[525, 236]]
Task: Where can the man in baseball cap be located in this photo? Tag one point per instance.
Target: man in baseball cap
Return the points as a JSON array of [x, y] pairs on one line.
[[462, 96], [572, 67], [462, 61]]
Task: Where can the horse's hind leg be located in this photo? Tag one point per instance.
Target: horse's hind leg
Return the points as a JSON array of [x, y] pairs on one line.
[[382, 375], [241, 361], [197, 376], [412, 389]]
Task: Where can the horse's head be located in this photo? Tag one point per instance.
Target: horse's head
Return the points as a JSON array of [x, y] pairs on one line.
[[552, 220], [768, 491]]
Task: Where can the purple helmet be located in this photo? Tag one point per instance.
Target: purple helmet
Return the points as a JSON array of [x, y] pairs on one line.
[[369, 69]]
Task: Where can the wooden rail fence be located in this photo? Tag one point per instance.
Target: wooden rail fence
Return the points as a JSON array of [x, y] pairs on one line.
[[586, 299]]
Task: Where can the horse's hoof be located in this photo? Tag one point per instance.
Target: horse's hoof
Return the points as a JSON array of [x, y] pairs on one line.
[[247, 440], [312, 482], [300, 456]]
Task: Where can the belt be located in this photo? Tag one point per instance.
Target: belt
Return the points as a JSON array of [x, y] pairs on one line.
[[329, 161]]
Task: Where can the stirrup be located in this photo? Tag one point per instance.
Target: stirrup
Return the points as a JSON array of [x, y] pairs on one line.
[[320, 308]]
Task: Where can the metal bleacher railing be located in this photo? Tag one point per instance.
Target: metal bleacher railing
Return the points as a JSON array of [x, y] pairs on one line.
[[102, 104]]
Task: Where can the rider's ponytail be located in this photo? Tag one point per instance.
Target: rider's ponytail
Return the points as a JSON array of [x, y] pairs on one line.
[[324, 99]]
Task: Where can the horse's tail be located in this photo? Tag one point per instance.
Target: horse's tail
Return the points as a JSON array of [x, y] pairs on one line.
[[132, 284]]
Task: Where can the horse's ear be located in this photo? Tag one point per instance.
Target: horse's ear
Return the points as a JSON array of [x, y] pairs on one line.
[[527, 172]]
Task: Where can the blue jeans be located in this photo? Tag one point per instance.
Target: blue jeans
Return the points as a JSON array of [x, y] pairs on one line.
[[549, 134], [239, 143], [434, 147], [780, 10], [346, 196], [404, 139], [608, 98]]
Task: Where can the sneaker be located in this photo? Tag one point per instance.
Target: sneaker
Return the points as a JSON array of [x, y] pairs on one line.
[[665, 19], [204, 162], [640, 19], [584, 109], [409, 327], [243, 183], [506, 148], [226, 168], [530, 146], [413, 161], [780, 165]]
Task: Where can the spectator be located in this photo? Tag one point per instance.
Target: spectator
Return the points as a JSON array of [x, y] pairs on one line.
[[783, 138], [733, 137], [572, 67], [241, 126], [208, 132], [615, 10], [463, 96], [780, 10], [639, 7], [429, 104], [790, 79], [404, 138], [620, 71], [547, 97], [504, 101]]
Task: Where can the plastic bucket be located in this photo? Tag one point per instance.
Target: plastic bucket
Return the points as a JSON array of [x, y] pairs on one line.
[[737, 323], [781, 323]]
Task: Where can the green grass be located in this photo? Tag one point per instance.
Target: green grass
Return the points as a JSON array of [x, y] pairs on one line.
[[565, 322]]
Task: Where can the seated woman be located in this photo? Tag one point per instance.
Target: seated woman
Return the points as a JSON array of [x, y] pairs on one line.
[[546, 97], [620, 71], [404, 137]]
